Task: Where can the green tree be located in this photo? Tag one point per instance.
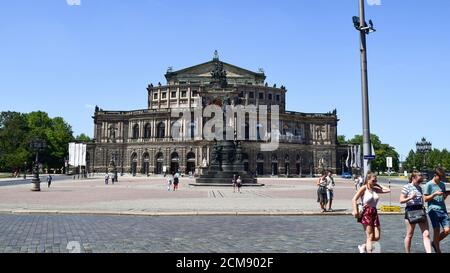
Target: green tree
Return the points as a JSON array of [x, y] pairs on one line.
[[410, 161], [382, 152], [55, 132], [430, 160], [58, 136], [83, 138], [13, 141], [433, 159], [341, 140], [446, 159], [16, 132]]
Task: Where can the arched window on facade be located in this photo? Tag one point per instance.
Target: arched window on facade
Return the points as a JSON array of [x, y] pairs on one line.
[[133, 164], [136, 131], [274, 164], [287, 165], [174, 163], [112, 132], [161, 130], [299, 165], [247, 131], [147, 131], [159, 163], [260, 131], [146, 164], [260, 164], [192, 128], [190, 165], [245, 160]]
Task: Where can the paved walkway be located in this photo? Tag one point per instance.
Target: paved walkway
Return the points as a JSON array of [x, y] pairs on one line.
[[149, 196], [210, 234]]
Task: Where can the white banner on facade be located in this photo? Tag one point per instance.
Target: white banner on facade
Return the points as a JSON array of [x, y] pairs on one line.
[[347, 162], [72, 154], [77, 154], [352, 151], [358, 156], [83, 155]]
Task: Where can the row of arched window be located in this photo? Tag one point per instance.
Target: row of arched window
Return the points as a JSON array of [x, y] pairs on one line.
[[159, 163], [260, 157], [160, 131]]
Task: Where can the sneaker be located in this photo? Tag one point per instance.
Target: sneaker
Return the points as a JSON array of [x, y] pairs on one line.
[[362, 248]]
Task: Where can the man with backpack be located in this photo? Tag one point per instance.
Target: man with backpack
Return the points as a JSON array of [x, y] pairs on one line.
[[176, 181]]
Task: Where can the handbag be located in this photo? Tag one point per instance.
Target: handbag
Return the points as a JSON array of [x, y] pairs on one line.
[[416, 216], [360, 210]]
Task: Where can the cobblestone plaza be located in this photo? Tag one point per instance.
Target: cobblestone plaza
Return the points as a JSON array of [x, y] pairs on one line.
[[201, 234], [139, 215]]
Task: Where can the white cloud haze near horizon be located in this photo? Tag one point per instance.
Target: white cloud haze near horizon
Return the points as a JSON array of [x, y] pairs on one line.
[[73, 2]]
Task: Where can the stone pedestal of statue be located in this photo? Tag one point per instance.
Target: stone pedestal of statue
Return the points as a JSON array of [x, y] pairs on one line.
[[226, 162]]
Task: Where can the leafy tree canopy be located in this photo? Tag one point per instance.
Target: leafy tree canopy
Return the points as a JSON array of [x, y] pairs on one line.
[[17, 130]]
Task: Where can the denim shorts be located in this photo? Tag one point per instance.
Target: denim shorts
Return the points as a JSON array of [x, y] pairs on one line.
[[330, 195], [439, 218]]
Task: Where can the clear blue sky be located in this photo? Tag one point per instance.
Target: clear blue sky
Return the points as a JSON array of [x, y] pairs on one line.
[[66, 59]]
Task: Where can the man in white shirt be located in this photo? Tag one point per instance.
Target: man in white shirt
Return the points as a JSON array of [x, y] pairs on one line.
[[106, 179], [330, 188]]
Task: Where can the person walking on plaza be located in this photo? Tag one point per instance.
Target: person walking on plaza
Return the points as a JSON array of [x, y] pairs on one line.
[[322, 192], [330, 189], [234, 182], [435, 195], [413, 197], [106, 179], [358, 182], [369, 218], [176, 181], [239, 184], [49, 180], [169, 182]]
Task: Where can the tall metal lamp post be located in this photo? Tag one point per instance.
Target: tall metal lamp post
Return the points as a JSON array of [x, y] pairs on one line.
[[25, 170], [37, 145], [364, 29]]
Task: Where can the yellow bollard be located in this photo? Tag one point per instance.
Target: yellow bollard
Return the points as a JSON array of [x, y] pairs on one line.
[[390, 208]]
